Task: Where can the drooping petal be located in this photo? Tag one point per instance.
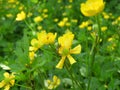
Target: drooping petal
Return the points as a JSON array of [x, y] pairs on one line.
[[61, 63], [12, 82], [76, 50], [7, 87], [56, 81], [2, 84], [71, 59]]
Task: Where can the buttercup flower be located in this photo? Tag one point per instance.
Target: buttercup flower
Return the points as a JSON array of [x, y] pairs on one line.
[[92, 7], [65, 50], [38, 19], [46, 38], [21, 16], [8, 81], [52, 84]]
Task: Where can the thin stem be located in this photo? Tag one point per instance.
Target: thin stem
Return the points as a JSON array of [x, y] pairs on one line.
[[94, 50], [23, 86], [28, 25], [72, 77]]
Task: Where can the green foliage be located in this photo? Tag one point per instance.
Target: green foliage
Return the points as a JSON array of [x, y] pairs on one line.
[[98, 64]]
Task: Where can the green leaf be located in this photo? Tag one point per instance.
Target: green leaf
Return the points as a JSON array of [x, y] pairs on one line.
[[34, 1]]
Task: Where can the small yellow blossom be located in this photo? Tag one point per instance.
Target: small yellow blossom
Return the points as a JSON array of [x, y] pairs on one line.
[[8, 81], [61, 24], [106, 16], [9, 15], [35, 44], [74, 20], [56, 20], [51, 38], [89, 28], [70, 1], [38, 19], [31, 55], [46, 38], [52, 84], [65, 50], [39, 27], [68, 24], [64, 14], [21, 16], [44, 15], [104, 28], [92, 7], [11, 1], [59, 1], [29, 14], [45, 10], [84, 24]]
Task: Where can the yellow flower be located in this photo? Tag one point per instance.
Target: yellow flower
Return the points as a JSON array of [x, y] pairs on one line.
[[89, 28], [61, 24], [31, 55], [38, 19], [46, 38], [65, 50], [92, 7], [9, 15], [35, 45], [21, 16], [52, 84], [104, 28], [51, 38], [45, 10], [8, 81], [84, 24], [11, 1]]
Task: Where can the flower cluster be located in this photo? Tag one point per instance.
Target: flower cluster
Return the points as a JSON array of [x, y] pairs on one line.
[[52, 84], [43, 38], [65, 50], [8, 81]]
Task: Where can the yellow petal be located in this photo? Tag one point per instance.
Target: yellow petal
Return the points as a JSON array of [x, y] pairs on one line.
[[71, 59], [12, 82], [56, 81], [2, 84], [76, 50], [6, 75], [21, 16], [61, 63], [7, 87]]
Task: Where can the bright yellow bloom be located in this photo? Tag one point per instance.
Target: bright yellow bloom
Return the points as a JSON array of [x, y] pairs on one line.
[[65, 50], [51, 38], [52, 84], [35, 45], [8, 81], [84, 24], [31, 55], [61, 24], [38, 19], [46, 38], [92, 7], [21, 16]]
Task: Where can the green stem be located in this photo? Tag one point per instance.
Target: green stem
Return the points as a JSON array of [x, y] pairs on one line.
[[28, 25], [94, 51], [23, 86], [74, 81]]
